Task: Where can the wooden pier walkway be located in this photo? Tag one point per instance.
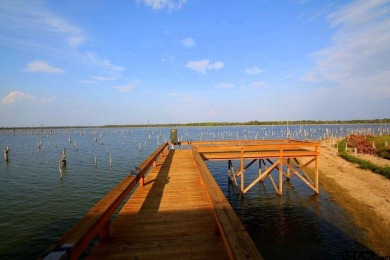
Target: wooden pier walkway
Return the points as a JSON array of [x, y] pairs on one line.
[[178, 210], [170, 217]]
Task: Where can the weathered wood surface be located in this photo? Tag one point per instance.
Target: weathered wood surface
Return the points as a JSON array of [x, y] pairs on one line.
[[170, 217], [238, 242]]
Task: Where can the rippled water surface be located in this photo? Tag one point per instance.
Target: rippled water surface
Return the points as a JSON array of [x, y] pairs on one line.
[[39, 202]]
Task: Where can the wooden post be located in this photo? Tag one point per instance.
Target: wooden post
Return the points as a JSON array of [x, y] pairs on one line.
[[281, 176], [260, 170], [316, 172], [229, 163], [281, 172], [6, 151], [288, 168], [242, 171]]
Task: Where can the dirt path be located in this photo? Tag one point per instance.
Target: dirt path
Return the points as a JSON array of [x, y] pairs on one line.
[[364, 194]]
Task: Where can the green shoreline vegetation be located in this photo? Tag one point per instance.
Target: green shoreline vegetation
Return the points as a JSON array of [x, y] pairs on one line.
[[364, 164], [208, 124]]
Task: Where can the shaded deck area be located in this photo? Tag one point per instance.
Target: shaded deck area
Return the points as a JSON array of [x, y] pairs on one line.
[[170, 217]]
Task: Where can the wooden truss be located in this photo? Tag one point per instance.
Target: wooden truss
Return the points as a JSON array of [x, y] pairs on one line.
[[272, 155]]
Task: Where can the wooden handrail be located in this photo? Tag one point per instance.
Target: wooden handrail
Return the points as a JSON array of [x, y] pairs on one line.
[[253, 147], [96, 222], [251, 142], [236, 239]]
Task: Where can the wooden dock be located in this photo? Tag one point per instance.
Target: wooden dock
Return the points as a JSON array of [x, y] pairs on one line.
[[178, 210], [170, 217]]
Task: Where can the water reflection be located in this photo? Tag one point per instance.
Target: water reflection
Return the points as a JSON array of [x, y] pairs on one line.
[[297, 225]]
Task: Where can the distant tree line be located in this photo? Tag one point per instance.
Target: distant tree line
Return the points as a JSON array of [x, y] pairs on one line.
[[256, 122], [249, 123]]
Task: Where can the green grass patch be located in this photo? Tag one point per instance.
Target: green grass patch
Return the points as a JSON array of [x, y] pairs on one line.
[[363, 164], [380, 142]]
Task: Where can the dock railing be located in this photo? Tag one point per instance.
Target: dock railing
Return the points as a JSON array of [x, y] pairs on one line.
[[96, 222], [238, 243]]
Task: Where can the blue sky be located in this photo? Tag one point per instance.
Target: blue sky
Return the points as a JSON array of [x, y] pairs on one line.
[[178, 61]]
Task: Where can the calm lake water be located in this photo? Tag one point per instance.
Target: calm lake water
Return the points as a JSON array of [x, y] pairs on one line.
[[38, 203]]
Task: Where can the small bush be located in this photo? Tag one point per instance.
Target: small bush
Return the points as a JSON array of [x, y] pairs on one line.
[[380, 141], [363, 164]]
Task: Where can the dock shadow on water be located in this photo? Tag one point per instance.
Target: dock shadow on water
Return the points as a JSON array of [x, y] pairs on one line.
[[296, 225]]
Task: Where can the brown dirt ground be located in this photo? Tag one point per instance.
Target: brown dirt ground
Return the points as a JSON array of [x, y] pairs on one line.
[[364, 194]]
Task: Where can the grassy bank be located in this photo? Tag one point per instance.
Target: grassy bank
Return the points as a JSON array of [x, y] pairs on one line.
[[363, 164], [380, 144]]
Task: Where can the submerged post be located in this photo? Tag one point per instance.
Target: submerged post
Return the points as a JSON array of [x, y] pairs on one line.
[[63, 157], [6, 151]]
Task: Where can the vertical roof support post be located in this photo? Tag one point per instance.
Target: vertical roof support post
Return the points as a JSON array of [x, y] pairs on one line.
[[281, 172], [288, 168], [316, 172], [242, 171]]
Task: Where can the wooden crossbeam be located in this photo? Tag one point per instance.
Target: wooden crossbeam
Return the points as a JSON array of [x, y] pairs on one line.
[[307, 181], [262, 176]]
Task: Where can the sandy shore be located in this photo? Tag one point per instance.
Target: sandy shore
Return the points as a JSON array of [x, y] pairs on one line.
[[364, 194]]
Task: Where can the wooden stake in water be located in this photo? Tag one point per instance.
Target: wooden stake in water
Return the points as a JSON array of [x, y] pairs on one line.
[[6, 151], [110, 160], [63, 157]]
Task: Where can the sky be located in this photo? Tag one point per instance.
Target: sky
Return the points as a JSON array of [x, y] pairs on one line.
[[91, 63]]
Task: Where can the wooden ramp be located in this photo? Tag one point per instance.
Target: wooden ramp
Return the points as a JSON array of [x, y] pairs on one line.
[[170, 217]]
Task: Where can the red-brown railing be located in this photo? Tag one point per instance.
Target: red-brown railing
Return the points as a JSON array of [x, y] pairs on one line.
[[96, 222]]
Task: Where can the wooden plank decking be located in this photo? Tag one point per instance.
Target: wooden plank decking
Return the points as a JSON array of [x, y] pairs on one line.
[[170, 217]]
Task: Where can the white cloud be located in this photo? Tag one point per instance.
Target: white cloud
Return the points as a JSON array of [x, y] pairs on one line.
[[96, 79], [128, 87], [225, 86], [161, 4], [253, 71], [217, 66], [88, 81], [188, 42], [359, 58], [42, 67], [34, 16], [202, 66], [102, 78], [95, 60], [15, 96], [258, 84], [75, 41]]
